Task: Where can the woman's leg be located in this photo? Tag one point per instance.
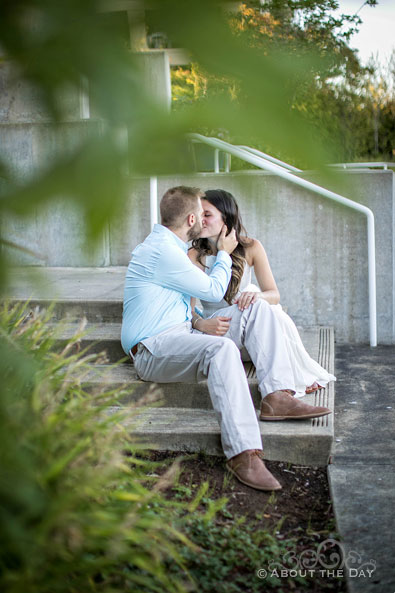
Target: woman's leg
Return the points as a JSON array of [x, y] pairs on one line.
[[258, 330], [308, 374]]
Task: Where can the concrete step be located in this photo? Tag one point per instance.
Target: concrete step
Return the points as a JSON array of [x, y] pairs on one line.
[[173, 395], [318, 341], [97, 337], [94, 293], [305, 442], [186, 421]]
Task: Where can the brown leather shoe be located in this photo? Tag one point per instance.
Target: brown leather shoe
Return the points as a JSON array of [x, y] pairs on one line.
[[280, 405], [249, 468]]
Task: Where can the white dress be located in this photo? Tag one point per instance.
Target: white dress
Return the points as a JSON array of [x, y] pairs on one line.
[[306, 370]]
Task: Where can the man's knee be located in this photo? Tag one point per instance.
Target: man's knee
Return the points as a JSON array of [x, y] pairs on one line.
[[222, 352], [227, 346], [221, 344]]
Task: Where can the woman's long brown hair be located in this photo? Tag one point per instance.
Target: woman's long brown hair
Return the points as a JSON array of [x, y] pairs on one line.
[[227, 205]]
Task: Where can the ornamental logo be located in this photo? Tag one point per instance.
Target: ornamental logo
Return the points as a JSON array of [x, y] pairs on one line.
[[328, 560]]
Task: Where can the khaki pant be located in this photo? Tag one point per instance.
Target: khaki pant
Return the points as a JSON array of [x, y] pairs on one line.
[[181, 354]]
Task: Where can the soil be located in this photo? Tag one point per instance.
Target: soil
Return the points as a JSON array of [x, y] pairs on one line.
[[301, 511]]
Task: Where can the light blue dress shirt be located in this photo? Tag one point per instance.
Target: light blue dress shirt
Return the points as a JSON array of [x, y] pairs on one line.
[[159, 283]]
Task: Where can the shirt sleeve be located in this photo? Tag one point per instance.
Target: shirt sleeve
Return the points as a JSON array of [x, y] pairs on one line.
[[176, 271]]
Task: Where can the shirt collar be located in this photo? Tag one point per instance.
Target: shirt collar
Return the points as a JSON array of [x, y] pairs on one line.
[[162, 230]]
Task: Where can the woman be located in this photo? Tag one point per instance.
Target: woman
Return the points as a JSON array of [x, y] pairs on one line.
[[221, 208]]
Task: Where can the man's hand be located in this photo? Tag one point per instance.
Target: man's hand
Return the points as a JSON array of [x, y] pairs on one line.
[[217, 326], [245, 300], [227, 243]]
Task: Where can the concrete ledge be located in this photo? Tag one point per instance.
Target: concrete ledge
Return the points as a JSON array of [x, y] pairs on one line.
[[187, 421], [365, 515], [67, 285], [181, 429]]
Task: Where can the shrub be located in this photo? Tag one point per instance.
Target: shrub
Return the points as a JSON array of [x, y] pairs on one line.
[[76, 514]]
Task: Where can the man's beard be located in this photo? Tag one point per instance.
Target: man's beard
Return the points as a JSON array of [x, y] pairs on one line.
[[195, 231]]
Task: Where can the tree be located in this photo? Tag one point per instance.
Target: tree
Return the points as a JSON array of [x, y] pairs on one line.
[[329, 93]]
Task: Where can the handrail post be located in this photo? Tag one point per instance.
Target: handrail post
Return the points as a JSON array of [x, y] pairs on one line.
[[216, 160], [153, 200], [372, 281]]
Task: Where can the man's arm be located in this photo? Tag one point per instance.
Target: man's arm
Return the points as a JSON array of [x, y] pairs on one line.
[[176, 271]]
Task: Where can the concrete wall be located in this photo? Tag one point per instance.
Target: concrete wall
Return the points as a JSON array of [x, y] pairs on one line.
[[155, 69], [21, 102], [55, 231], [30, 142], [317, 249]]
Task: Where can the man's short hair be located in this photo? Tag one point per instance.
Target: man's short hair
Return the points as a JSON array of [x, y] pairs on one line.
[[177, 203]]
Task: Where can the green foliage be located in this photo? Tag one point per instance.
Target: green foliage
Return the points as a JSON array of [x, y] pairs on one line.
[[360, 110], [76, 514], [230, 555], [266, 75], [335, 96], [81, 507], [301, 27]]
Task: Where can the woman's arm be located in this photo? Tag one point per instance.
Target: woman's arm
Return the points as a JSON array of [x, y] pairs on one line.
[[192, 254], [218, 326], [256, 257]]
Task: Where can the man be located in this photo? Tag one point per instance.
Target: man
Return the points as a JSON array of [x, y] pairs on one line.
[[158, 334]]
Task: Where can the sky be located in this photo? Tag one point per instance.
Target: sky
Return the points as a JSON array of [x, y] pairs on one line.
[[377, 31]]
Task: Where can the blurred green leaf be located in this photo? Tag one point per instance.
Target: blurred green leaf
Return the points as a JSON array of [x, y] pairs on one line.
[[269, 78]]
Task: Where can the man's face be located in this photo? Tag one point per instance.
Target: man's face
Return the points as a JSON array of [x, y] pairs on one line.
[[196, 229]]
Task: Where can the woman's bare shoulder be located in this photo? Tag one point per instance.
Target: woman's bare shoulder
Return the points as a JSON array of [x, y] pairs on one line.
[[252, 248]]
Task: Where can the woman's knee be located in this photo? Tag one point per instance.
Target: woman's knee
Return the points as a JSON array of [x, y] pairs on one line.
[[261, 304]]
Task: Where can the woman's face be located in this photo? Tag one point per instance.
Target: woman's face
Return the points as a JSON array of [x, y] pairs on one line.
[[212, 221]]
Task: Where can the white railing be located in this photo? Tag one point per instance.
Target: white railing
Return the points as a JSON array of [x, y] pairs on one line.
[[263, 163], [371, 165], [252, 151], [271, 159], [153, 200]]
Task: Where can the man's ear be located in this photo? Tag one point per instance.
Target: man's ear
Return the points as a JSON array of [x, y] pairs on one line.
[[191, 219]]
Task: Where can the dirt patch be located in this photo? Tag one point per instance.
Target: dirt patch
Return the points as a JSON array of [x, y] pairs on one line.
[[302, 511]]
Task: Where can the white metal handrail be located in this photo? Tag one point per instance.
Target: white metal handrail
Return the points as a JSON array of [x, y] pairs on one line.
[[370, 165], [271, 159], [255, 151], [263, 163], [153, 200]]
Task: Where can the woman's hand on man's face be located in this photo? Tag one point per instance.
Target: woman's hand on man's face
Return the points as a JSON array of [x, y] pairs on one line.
[[245, 300]]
